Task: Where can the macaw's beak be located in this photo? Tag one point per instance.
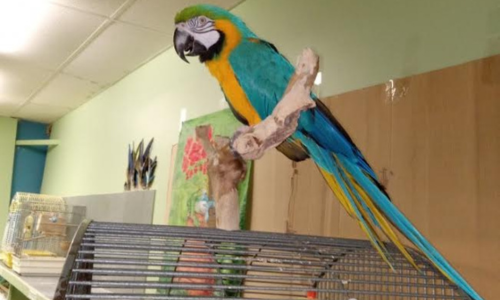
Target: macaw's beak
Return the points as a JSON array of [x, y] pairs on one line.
[[186, 44]]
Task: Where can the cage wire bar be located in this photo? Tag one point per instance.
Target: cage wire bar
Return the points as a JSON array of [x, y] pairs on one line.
[[130, 261]]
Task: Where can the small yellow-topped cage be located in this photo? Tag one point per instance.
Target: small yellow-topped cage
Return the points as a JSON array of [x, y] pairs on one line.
[[39, 227]]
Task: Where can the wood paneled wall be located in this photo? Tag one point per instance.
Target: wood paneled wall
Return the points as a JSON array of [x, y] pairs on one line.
[[435, 145]]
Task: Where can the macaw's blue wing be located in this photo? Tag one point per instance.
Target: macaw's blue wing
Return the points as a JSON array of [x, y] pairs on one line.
[[263, 74]]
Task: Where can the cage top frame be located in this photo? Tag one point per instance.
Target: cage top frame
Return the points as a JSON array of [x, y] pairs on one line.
[[336, 268]]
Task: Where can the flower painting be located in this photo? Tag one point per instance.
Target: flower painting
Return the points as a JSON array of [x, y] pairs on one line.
[[190, 203], [194, 160]]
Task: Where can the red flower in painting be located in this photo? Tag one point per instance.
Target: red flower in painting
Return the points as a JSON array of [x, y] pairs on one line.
[[194, 159]]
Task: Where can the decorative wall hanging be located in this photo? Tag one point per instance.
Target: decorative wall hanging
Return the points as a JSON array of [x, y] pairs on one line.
[[141, 167], [190, 203]]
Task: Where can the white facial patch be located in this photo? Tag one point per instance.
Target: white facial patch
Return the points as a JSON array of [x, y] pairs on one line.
[[207, 39]]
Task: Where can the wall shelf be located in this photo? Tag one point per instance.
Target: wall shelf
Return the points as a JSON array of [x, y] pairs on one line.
[[32, 288], [50, 143]]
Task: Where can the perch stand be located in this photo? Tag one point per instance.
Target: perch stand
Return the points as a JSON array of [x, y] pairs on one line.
[[226, 166]]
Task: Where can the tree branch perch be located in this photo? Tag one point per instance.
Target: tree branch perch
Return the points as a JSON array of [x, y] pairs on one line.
[[226, 165], [252, 142]]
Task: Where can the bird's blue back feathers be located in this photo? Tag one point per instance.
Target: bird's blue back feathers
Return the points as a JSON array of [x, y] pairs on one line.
[[263, 73]]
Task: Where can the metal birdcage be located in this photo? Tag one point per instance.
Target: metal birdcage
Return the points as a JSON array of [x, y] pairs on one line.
[[128, 261], [39, 229]]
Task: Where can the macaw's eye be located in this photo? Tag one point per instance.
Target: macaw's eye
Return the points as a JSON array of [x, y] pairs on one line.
[[202, 20]]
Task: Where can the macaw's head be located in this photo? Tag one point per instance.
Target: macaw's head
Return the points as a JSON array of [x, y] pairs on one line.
[[206, 31]]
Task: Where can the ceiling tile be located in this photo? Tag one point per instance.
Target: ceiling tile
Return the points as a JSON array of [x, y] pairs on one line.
[[18, 81], [59, 34], [66, 91], [159, 14], [7, 108], [41, 113], [101, 7], [116, 52]]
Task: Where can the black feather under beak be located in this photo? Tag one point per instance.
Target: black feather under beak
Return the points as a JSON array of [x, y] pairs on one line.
[[186, 45]]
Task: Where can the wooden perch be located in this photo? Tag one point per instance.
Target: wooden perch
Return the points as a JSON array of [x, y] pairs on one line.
[[252, 142], [225, 171], [226, 165]]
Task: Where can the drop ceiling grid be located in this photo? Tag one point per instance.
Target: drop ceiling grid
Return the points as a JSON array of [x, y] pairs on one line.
[[85, 47]]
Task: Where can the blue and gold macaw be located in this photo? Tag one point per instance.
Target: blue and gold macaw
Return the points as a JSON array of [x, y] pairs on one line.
[[253, 76]]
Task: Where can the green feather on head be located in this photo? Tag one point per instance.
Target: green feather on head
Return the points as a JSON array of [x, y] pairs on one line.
[[214, 13], [210, 11]]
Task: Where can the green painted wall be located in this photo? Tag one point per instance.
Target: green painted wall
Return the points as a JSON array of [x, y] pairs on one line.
[[361, 43], [8, 129]]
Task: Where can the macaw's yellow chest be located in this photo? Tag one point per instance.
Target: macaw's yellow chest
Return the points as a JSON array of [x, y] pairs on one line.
[[221, 69]]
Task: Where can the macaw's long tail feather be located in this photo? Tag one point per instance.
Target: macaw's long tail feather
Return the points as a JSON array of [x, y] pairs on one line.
[[364, 200], [359, 205]]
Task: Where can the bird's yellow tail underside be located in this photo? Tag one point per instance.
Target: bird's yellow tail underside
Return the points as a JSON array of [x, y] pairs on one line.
[[364, 214]]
